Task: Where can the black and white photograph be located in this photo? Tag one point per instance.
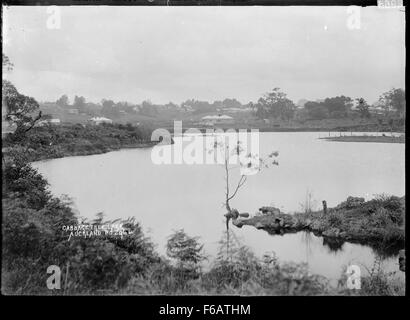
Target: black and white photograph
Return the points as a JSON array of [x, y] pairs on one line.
[[203, 150]]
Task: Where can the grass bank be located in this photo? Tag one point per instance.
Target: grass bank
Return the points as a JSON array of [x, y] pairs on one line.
[[49, 142], [379, 222]]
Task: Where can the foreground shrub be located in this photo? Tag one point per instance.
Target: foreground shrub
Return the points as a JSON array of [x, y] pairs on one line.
[[33, 239], [376, 282]]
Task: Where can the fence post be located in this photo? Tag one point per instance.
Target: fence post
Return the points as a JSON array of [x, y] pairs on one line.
[[324, 206]]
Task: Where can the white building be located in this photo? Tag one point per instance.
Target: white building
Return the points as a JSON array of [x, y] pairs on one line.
[[99, 120], [73, 111], [216, 120], [235, 110], [54, 121]]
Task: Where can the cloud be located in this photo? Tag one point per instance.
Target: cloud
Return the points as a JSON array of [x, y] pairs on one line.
[[176, 53]]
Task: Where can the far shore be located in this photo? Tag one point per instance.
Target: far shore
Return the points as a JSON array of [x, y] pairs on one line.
[[91, 152], [285, 129], [42, 156], [363, 138]]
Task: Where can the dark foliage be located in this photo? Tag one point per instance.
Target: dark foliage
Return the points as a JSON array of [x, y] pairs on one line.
[[52, 141]]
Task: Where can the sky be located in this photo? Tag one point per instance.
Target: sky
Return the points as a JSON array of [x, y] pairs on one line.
[[207, 53]]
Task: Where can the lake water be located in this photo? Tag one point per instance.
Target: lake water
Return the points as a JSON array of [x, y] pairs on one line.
[[163, 198]]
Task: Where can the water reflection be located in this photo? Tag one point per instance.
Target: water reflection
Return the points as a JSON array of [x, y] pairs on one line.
[[329, 257], [333, 244]]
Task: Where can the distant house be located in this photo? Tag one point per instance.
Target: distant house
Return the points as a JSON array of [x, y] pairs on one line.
[[379, 108], [99, 120], [301, 103], [51, 121], [73, 111], [235, 110], [216, 120], [54, 121]]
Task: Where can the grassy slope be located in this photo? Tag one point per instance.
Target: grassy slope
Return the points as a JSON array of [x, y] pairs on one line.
[[378, 222]]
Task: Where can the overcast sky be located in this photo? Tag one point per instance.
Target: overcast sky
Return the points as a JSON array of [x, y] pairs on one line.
[[209, 53]]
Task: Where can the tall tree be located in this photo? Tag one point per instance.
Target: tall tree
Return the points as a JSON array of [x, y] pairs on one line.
[[231, 103], [275, 104], [148, 109], [62, 101], [183, 248], [363, 108], [108, 108], [316, 110], [338, 107], [187, 252], [17, 109], [395, 100], [6, 63], [79, 103], [248, 162]]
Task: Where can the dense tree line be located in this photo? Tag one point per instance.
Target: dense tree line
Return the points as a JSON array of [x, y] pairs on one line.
[[274, 104], [111, 109], [277, 105]]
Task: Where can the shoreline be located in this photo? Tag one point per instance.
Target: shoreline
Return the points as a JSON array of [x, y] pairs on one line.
[[60, 154], [92, 152], [284, 129], [371, 139], [378, 223]]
